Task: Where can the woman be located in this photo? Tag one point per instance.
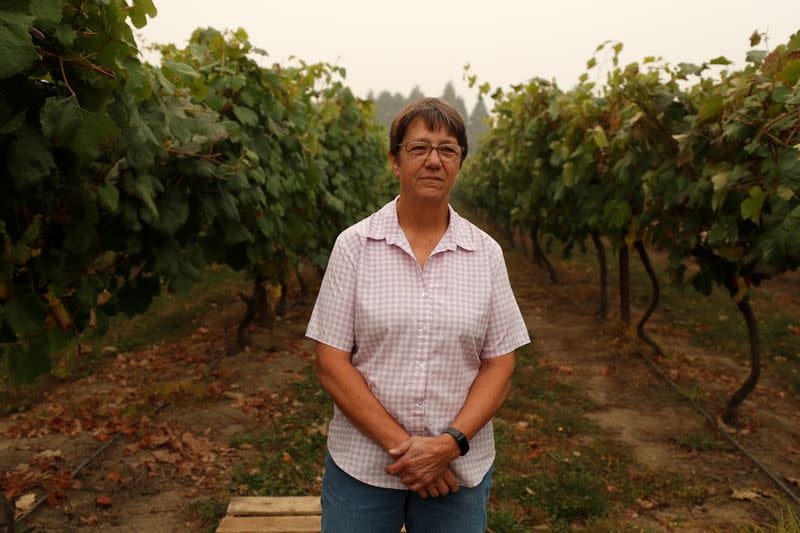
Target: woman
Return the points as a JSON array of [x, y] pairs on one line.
[[416, 328]]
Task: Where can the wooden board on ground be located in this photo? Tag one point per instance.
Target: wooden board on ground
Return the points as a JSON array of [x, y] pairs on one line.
[[257, 514], [270, 524], [270, 506], [291, 514]]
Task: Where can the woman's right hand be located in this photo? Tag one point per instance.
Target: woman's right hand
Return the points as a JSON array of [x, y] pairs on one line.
[[441, 487]]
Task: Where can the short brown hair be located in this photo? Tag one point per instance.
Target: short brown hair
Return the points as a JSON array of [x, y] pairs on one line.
[[436, 113]]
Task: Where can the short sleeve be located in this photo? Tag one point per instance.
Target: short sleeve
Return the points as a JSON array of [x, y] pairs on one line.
[[507, 330], [332, 321]]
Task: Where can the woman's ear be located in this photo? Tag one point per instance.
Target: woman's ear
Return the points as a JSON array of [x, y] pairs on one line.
[[395, 164]]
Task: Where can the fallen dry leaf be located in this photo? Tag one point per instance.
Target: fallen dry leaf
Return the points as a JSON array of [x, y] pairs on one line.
[[233, 395], [90, 520], [103, 501], [49, 454], [114, 476], [793, 481], [25, 502], [745, 494], [645, 504], [166, 456]]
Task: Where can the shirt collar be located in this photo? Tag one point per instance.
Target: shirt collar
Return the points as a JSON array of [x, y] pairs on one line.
[[384, 225]]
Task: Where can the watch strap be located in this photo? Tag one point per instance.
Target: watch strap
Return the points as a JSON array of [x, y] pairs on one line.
[[463, 444]]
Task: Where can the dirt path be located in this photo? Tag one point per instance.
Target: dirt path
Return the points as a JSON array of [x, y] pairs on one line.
[[175, 417], [638, 407]]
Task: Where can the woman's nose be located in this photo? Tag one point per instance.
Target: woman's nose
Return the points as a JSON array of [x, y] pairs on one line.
[[433, 159]]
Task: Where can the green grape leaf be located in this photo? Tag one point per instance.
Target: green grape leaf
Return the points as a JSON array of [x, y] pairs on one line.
[[87, 133], [794, 42], [140, 10], [137, 79], [173, 212], [47, 11], [568, 174], [721, 60], [30, 159], [723, 231], [755, 56], [266, 226], [617, 213], [65, 34], [143, 187], [721, 180], [245, 115], [791, 73], [710, 109], [691, 68], [141, 146], [16, 46], [751, 207], [180, 68], [785, 193], [108, 195], [600, 138]]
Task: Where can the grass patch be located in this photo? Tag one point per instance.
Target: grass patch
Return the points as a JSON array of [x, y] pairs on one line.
[[556, 469], [208, 512], [574, 492], [784, 520], [699, 441], [292, 448]]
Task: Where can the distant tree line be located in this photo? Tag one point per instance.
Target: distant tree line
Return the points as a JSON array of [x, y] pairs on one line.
[[388, 104]]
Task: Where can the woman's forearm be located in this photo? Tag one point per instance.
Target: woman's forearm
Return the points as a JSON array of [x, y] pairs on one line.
[[486, 395], [423, 457], [352, 396]]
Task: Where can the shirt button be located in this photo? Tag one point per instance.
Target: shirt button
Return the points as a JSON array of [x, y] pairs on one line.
[[424, 294], [424, 328]]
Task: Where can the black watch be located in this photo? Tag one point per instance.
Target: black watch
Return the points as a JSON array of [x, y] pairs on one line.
[[463, 444]]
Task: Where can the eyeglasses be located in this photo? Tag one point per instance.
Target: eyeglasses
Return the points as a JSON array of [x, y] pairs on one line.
[[422, 149]]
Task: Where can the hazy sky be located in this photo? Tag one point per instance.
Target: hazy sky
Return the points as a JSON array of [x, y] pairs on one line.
[[396, 45]]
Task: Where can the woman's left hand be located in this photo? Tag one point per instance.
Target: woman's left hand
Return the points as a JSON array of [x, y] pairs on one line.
[[421, 460]]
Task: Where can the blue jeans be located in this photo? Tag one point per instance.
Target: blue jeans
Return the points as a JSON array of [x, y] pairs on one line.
[[350, 506]]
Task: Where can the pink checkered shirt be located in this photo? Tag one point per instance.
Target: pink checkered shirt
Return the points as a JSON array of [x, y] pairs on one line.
[[416, 335]]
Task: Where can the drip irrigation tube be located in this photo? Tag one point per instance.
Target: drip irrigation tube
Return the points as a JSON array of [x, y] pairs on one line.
[[76, 471], [772, 477]]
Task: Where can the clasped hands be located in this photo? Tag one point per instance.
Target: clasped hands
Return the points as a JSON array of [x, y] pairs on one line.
[[422, 464]]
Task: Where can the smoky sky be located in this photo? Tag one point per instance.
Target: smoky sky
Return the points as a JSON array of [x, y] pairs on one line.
[[399, 44]]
